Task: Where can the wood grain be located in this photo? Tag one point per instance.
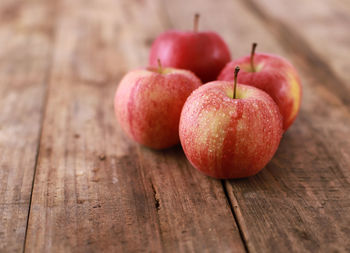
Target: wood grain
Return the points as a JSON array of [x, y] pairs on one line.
[[300, 202], [312, 163], [25, 56], [94, 189]]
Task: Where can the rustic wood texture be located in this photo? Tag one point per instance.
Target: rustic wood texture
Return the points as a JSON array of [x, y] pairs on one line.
[[25, 49], [96, 191], [300, 202]]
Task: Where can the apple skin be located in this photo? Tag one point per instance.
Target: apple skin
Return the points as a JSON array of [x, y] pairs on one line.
[[148, 104], [204, 53], [230, 138], [274, 75]]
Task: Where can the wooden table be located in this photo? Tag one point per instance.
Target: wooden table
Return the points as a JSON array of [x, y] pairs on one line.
[[70, 181]]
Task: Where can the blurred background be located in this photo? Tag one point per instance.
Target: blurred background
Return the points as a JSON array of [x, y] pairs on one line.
[[60, 64]]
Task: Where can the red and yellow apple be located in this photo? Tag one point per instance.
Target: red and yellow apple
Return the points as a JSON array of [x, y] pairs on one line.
[[230, 136], [274, 75], [203, 52], [148, 104]]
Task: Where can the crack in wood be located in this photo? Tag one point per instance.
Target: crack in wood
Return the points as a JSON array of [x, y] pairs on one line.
[[42, 120], [232, 208], [156, 199]]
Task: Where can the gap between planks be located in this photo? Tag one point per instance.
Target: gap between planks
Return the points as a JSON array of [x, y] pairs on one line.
[[46, 99], [234, 215]]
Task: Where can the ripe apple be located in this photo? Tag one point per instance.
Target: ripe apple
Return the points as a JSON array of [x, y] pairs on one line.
[[204, 53], [148, 104], [272, 74], [229, 132]]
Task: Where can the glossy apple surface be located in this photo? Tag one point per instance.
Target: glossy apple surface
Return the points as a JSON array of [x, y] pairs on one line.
[[230, 138], [148, 104], [204, 53], [274, 75]]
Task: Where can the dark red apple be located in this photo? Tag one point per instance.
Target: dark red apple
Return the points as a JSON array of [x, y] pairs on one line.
[[148, 104], [274, 75], [203, 52], [227, 132]]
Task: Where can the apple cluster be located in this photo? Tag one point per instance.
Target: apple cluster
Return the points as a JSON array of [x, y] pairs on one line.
[[228, 115]]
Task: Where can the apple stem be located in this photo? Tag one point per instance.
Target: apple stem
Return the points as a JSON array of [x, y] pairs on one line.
[[252, 56], [160, 68], [235, 82], [195, 22]]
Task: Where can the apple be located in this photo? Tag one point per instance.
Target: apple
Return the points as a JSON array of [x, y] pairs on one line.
[[229, 130], [148, 104], [204, 53], [274, 75]]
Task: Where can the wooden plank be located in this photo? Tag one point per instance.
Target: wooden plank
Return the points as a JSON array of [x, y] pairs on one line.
[[300, 202], [26, 40], [94, 189]]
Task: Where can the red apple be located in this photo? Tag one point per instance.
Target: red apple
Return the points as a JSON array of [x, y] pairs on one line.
[[204, 53], [230, 136], [148, 104], [272, 74]]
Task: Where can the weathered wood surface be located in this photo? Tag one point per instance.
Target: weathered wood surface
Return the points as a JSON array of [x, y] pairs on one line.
[[94, 190], [301, 201], [131, 199], [25, 51]]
